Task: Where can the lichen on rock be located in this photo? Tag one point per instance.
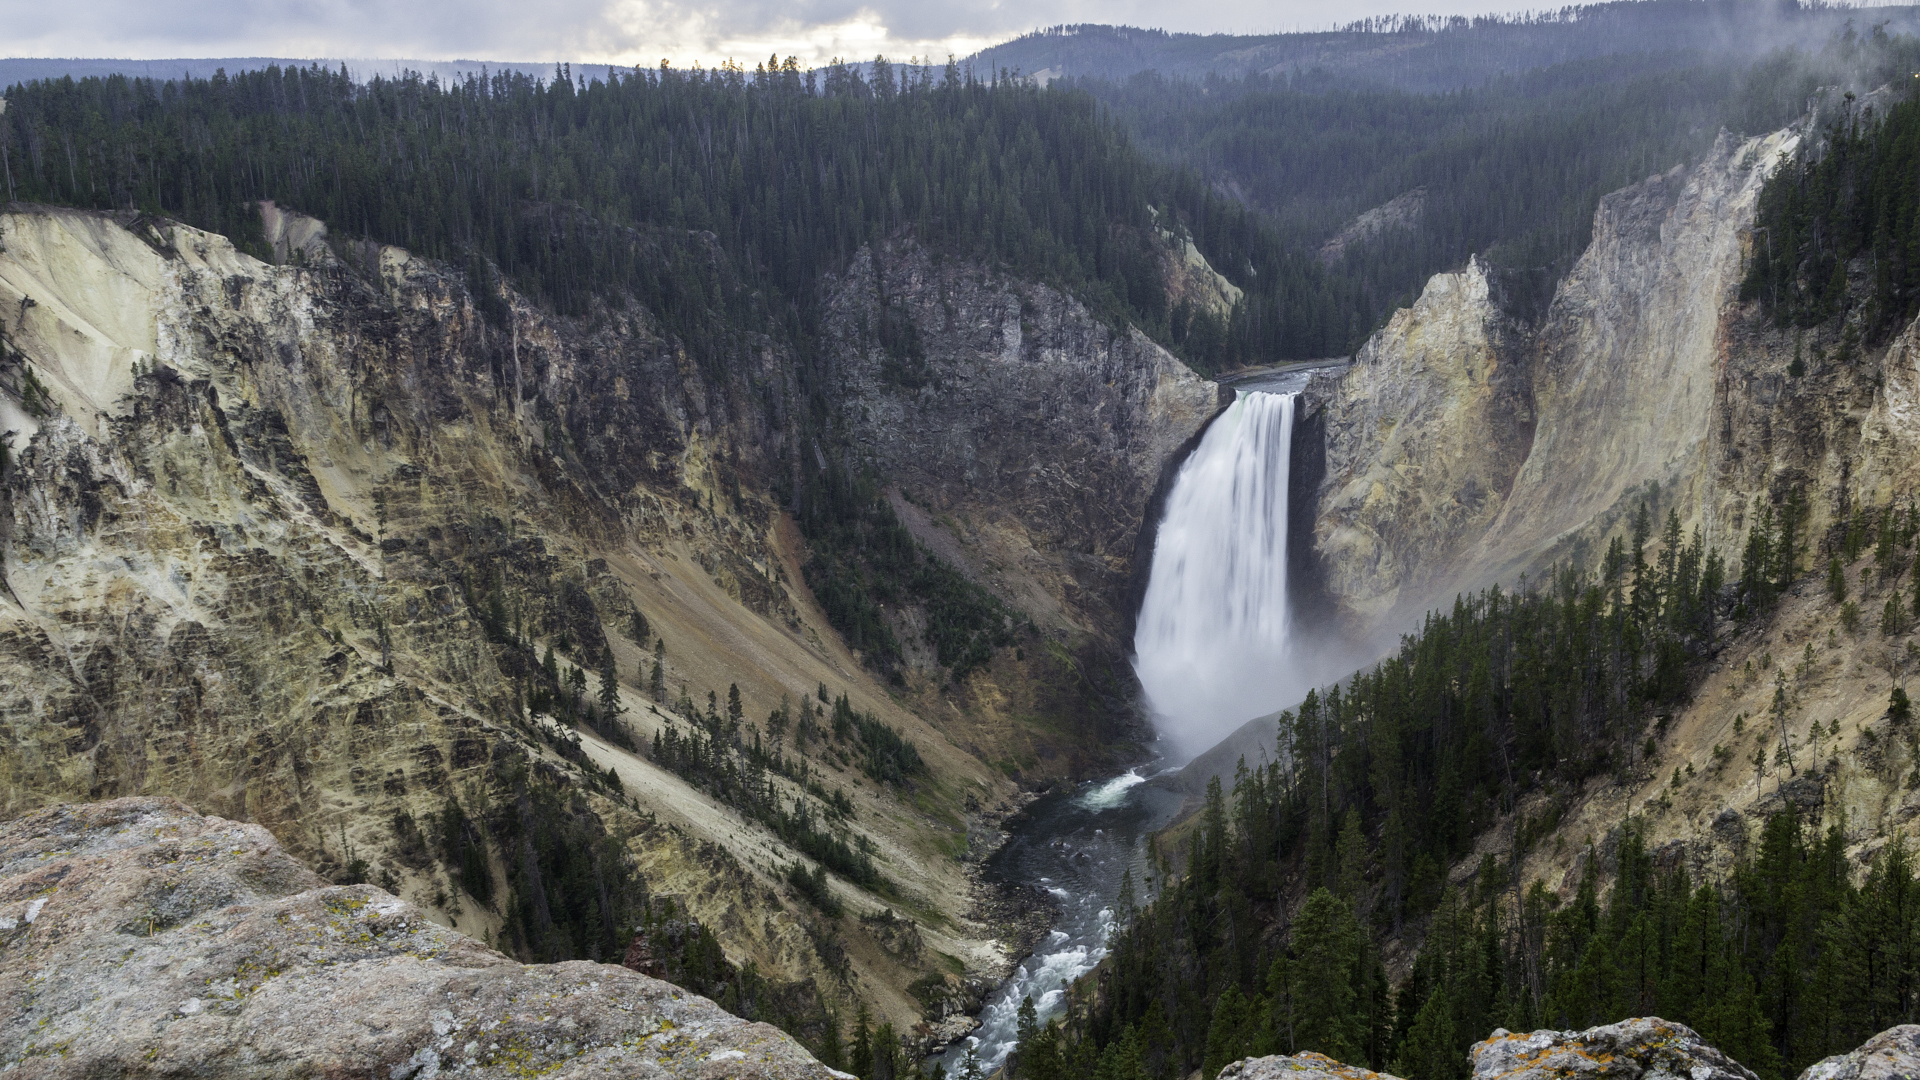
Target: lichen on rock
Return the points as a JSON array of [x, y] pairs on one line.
[[1641, 1047], [1302, 1066]]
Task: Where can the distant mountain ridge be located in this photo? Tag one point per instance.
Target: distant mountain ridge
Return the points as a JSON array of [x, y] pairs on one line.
[[15, 70], [1432, 54]]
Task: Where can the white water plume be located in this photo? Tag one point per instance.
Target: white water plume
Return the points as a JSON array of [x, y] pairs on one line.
[[1214, 641]]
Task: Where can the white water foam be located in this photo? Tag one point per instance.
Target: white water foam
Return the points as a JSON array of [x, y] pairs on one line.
[[1112, 793], [1213, 640]]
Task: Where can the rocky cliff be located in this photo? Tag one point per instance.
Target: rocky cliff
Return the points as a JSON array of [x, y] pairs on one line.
[[288, 541], [1025, 439], [1424, 435], [1466, 449], [1651, 384]]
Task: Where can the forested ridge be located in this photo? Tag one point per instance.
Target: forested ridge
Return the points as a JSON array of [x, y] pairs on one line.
[[1432, 54], [583, 190], [1837, 235], [1511, 170]]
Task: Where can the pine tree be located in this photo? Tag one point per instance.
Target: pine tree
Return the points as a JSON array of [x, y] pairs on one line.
[[1226, 1031], [885, 1053], [1026, 1032], [1431, 1050], [862, 1040], [831, 1055], [1327, 940], [609, 686], [657, 681]]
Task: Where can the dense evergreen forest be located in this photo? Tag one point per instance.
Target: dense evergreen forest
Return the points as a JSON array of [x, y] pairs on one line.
[[1511, 170], [591, 190], [1838, 231]]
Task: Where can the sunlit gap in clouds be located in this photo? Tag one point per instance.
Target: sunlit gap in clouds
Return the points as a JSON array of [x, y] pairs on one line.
[[623, 33], [856, 39]]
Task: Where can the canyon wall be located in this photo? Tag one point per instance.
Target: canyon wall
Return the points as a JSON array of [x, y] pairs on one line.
[[1465, 449], [287, 541], [1036, 430]]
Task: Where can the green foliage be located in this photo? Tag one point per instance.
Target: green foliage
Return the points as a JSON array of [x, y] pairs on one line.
[[716, 197], [690, 955], [463, 849], [814, 888], [713, 755], [1770, 561], [575, 890], [864, 561], [1847, 202]]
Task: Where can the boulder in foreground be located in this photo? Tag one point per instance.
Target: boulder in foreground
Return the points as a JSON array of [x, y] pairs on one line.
[[1642, 1047], [139, 937], [1304, 1066], [1894, 1054]]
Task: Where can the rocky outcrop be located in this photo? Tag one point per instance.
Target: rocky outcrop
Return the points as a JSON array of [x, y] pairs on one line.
[[138, 937], [1894, 1054], [1424, 435], [1464, 452], [1303, 1066], [1037, 431], [1398, 214], [1642, 1047]]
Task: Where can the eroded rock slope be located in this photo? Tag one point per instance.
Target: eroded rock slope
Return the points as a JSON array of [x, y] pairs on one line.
[[1465, 450]]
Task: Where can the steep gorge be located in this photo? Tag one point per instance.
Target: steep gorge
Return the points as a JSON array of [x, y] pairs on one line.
[[287, 541]]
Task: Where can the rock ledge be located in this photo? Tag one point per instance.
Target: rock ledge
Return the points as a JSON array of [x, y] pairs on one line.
[[139, 937], [1642, 1047]]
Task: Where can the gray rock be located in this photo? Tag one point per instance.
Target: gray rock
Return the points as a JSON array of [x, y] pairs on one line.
[[1894, 1054], [1306, 1066], [1646, 1047], [137, 936]]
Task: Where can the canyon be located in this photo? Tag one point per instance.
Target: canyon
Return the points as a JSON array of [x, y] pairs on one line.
[[300, 540], [285, 539]]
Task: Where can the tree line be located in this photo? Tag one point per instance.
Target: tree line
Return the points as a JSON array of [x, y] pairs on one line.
[[718, 198]]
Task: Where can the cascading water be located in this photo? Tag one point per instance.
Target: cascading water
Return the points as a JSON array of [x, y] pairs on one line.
[[1212, 643], [1078, 845], [1214, 648]]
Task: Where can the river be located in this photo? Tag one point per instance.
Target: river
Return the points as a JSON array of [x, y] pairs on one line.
[[1077, 845]]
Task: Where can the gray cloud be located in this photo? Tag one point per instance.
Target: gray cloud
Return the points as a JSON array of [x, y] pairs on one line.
[[625, 31], [616, 31]]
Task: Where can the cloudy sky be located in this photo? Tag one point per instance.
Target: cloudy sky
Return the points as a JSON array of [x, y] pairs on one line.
[[621, 31]]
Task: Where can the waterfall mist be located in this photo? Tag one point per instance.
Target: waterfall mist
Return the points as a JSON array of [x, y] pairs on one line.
[[1215, 645]]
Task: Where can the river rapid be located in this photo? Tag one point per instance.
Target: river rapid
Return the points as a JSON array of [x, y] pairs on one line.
[[1078, 845]]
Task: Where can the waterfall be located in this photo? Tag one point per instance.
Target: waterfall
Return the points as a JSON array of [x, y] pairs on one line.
[[1212, 644]]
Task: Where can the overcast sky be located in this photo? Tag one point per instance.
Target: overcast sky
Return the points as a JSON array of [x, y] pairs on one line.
[[621, 31]]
